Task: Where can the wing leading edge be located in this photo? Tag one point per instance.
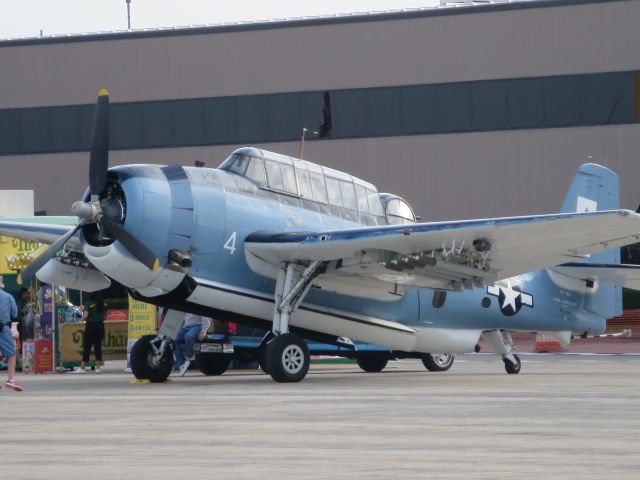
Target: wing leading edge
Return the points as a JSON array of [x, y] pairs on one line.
[[450, 255]]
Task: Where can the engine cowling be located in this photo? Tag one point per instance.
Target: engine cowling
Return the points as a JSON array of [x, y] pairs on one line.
[[153, 203]]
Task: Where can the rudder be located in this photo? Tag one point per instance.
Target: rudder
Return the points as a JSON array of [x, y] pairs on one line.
[[595, 188]]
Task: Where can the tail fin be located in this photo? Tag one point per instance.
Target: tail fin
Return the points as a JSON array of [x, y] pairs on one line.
[[594, 188]]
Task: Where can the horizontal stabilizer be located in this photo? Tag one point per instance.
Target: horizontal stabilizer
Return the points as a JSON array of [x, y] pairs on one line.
[[623, 275]]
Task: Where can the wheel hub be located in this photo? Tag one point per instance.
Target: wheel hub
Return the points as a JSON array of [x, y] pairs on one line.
[[293, 359], [442, 360]]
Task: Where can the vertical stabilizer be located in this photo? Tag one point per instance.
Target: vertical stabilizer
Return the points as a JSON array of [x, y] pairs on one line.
[[594, 188]]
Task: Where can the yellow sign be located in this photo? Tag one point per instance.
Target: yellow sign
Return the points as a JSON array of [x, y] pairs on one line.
[[16, 254], [142, 319], [114, 343]]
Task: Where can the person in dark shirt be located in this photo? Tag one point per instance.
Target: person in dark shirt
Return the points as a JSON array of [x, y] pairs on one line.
[[25, 314], [94, 313]]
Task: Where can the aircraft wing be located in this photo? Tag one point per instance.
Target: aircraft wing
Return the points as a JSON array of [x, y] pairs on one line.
[[39, 229], [623, 275], [451, 255]]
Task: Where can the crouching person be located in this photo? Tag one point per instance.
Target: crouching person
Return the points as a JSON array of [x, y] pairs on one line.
[[194, 328]]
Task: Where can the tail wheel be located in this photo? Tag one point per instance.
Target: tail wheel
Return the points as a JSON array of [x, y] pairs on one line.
[[372, 362], [438, 363], [287, 358], [510, 367], [148, 363]]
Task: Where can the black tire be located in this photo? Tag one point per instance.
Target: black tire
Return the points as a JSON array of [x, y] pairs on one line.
[[143, 364], [510, 367], [213, 363], [262, 352], [372, 362], [262, 358], [438, 363], [287, 358]]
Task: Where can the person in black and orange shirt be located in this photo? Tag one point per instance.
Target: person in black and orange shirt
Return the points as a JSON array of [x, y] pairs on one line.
[[94, 313]]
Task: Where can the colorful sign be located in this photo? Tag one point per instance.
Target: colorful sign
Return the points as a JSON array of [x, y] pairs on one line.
[[28, 349], [142, 319], [46, 318], [16, 254], [114, 344], [43, 356]]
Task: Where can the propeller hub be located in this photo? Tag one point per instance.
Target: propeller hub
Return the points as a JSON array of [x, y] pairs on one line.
[[85, 210]]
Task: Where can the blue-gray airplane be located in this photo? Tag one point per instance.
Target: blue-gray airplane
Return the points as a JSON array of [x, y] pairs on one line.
[[311, 253]]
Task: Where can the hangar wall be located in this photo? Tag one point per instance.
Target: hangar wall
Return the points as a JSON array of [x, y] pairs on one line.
[[446, 46], [469, 172]]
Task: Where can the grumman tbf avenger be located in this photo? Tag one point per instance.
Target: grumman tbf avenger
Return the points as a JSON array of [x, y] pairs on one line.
[[312, 253]]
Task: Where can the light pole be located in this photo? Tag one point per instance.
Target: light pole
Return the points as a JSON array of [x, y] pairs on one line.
[[128, 14]]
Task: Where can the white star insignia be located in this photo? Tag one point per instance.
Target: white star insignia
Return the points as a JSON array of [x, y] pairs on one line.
[[510, 296]]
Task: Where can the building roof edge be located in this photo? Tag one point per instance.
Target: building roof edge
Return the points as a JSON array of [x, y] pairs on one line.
[[337, 19]]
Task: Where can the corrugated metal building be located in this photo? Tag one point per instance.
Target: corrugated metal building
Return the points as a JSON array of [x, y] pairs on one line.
[[466, 112]]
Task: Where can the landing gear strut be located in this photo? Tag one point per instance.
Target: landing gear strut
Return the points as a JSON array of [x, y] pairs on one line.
[[286, 356], [503, 344]]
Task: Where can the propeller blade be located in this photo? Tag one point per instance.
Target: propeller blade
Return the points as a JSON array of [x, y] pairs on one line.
[[138, 249], [99, 159], [45, 256]]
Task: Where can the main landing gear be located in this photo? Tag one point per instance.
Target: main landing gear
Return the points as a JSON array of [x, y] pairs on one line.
[[152, 358], [152, 355], [503, 344], [286, 356]]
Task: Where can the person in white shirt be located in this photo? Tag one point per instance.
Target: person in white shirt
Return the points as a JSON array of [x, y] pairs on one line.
[[193, 328]]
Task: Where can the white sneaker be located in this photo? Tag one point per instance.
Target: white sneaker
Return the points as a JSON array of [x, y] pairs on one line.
[[78, 370], [184, 367], [98, 370]]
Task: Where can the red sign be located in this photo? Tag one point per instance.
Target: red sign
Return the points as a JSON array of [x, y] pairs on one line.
[[43, 356], [116, 315]]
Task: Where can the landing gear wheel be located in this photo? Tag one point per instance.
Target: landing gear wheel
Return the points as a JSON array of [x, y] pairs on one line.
[[438, 363], [287, 358], [147, 363], [212, 363], [372, 362], [510, 367]]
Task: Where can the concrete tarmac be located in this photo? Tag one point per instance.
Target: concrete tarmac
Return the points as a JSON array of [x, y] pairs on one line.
[[563, 417]]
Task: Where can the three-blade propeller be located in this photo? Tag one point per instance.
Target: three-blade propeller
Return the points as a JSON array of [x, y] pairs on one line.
[[92, 211]]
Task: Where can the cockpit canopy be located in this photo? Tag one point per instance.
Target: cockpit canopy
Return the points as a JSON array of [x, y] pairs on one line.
[[397, 210], [309, 181]]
